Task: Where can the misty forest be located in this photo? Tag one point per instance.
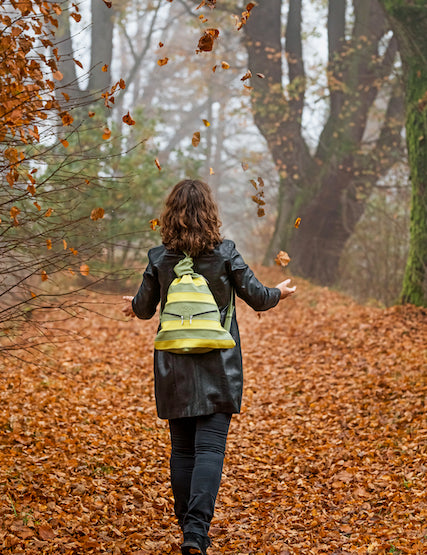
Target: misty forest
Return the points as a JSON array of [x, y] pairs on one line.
[[308, 120]]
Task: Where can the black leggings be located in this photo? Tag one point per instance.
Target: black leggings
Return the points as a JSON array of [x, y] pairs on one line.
[[198, 448]]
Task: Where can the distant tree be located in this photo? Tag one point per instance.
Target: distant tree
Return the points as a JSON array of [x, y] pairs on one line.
[[326, 188], [409, 22]]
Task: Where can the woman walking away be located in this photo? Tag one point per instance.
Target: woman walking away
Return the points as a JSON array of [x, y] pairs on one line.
[[197, 392]]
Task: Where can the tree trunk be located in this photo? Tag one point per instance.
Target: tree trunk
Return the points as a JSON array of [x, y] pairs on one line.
[[101, 45], [409, 22], [322, 189]]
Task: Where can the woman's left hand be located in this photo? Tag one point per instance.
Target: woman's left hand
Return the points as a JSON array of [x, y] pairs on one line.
[[127, 310]]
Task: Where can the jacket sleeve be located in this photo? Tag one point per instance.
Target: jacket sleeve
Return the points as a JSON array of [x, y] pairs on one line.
[[248, 287], [145, 302]]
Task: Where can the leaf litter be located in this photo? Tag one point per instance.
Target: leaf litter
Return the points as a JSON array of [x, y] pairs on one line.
[[327, 456]]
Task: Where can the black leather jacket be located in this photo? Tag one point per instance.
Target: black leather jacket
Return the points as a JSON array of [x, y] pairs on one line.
[[200, 384]]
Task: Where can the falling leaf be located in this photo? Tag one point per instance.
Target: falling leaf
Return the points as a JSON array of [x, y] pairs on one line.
[[214, 68], [73, 250], [297, 223], [77, 62], [76, 16], [64, 242], [163, 61], [97, 214], [49, 243], [161, 45], [206, 41], [247, 87], [247, 75], [282, 259], [260, 75], [225, 65], [107, 3], [154, 223], [206, 122], [84, 270], [245, 166], [65, 143], [254, 183], [105, 68], [156, 161], [44, 275], [211, 171], [57, 75], [196, 139], [107, 134], [48, 212], [260, 212], [128, 119]]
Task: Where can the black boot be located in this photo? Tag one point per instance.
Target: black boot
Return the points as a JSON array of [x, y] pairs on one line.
[[194, 544]]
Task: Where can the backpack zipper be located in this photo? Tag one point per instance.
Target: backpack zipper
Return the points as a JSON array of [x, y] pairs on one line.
[[190, 318]]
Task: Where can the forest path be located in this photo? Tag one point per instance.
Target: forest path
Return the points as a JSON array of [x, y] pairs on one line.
[[328, 455]]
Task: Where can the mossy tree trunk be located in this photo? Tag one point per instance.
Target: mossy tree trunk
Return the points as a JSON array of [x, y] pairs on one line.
[[409, 22]]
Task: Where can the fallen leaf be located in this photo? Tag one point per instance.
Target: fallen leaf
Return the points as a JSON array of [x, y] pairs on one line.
[[45, 532]]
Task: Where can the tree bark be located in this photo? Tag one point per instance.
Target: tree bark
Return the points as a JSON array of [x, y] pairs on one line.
[[409, 22]]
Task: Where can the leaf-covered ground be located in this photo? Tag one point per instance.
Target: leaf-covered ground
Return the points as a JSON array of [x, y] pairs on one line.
[[328, 455]]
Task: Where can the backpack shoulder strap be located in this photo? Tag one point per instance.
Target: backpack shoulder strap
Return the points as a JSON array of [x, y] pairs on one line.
[[229, 315]]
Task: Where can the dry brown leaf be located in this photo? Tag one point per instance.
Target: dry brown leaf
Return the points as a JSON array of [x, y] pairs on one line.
[[282, 258]]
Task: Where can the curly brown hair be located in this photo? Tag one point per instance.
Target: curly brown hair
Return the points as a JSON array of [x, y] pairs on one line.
[[190, 221]]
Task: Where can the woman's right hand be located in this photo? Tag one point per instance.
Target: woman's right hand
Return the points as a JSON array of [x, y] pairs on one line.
[[127, 310], [285, 291]]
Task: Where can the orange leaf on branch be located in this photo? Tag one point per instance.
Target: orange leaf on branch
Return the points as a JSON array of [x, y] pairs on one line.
[[97, 214], [67, 119], [107, 134], [128, 119]]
